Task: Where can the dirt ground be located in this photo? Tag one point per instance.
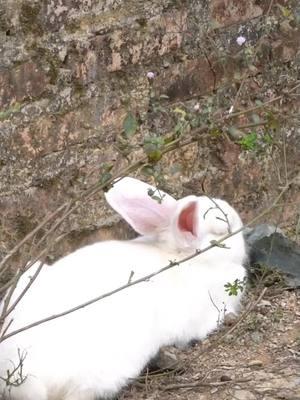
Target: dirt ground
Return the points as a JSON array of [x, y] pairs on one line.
[[256, 357]]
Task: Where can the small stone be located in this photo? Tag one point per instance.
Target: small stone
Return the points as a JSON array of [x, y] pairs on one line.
[[264, 303], [257, 337], [255, 363], [225, 378], [228, 338], [230, 319], [165, 360], [243, 395]]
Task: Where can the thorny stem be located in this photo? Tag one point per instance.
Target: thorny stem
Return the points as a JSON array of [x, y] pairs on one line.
[[266, 103], [172, 264], [13, 282], [254, 56], [67, 208], [72, 205], [49, 217]]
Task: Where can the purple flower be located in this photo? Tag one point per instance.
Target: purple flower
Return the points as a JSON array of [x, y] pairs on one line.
[[241, 40], [150, 75]]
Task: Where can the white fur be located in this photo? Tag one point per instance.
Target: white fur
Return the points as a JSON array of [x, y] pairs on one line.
[[97, 350]]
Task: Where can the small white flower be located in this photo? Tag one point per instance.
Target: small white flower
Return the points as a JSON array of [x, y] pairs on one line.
[[241, 40], [230, 110], [150, 75], [197, 107]]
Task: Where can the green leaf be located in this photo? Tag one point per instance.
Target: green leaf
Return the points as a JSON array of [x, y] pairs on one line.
[[285, 11], [249, 142], [233, 288], [156, 195], [105, 174], [147, 170], [181, 112], [153, 146], [215, 132], [130, 125], [267, 138], [273, 123]]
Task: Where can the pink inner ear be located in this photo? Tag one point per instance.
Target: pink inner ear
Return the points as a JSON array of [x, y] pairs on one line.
[[186, 219]]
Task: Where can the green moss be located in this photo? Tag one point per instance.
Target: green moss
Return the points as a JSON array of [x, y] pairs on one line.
[[29, 18], [5, 114], [44, 57], [72, 26]]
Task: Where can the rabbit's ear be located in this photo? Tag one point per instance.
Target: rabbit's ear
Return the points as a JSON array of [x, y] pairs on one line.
[[130, 198], [186, 221]]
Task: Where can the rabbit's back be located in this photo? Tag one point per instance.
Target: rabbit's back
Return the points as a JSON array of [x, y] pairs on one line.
[[97, 349], [112, 338]]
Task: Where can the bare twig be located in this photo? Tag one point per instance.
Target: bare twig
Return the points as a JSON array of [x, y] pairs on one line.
[[70, 206], [246, 73], [172, 264], [15, 376], [176, 386], [14, 250], [222, 211], [263, 105], [12, 283], [24, 291], [245, 313]]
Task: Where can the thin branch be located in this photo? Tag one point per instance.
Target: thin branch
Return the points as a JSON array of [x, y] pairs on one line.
[[245, 314], [24, 291], [172, 264], [203, 384], [270, 7], [216, 307], [246, 73], [222, 211], [249, 110], [72, 205], [253, 125], [30, 235], [12, 283], [266, 103]]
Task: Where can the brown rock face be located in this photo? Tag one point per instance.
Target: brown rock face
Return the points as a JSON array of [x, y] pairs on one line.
[[23, 82], [70, 72]]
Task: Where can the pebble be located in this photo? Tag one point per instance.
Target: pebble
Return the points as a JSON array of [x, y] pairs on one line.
[[257, 337], [264, 303], [255, 363], [228, 338], [225, 378], [164, 360], [243, 395], [230, 319]]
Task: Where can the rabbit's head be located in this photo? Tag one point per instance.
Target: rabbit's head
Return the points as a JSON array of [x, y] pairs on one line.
[[191, 222]]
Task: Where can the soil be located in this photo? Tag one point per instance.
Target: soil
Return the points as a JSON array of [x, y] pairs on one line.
[[253, 357]]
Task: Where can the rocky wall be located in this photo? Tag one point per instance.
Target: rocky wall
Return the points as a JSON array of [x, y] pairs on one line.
[[70, 72]]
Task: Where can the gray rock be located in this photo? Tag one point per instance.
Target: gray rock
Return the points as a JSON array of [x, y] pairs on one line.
[[230, 319], [165, 360], [269, 247], [252, 235], [257, 337]]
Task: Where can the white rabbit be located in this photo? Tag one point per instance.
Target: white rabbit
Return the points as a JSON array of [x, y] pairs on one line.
[[96, 350]]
